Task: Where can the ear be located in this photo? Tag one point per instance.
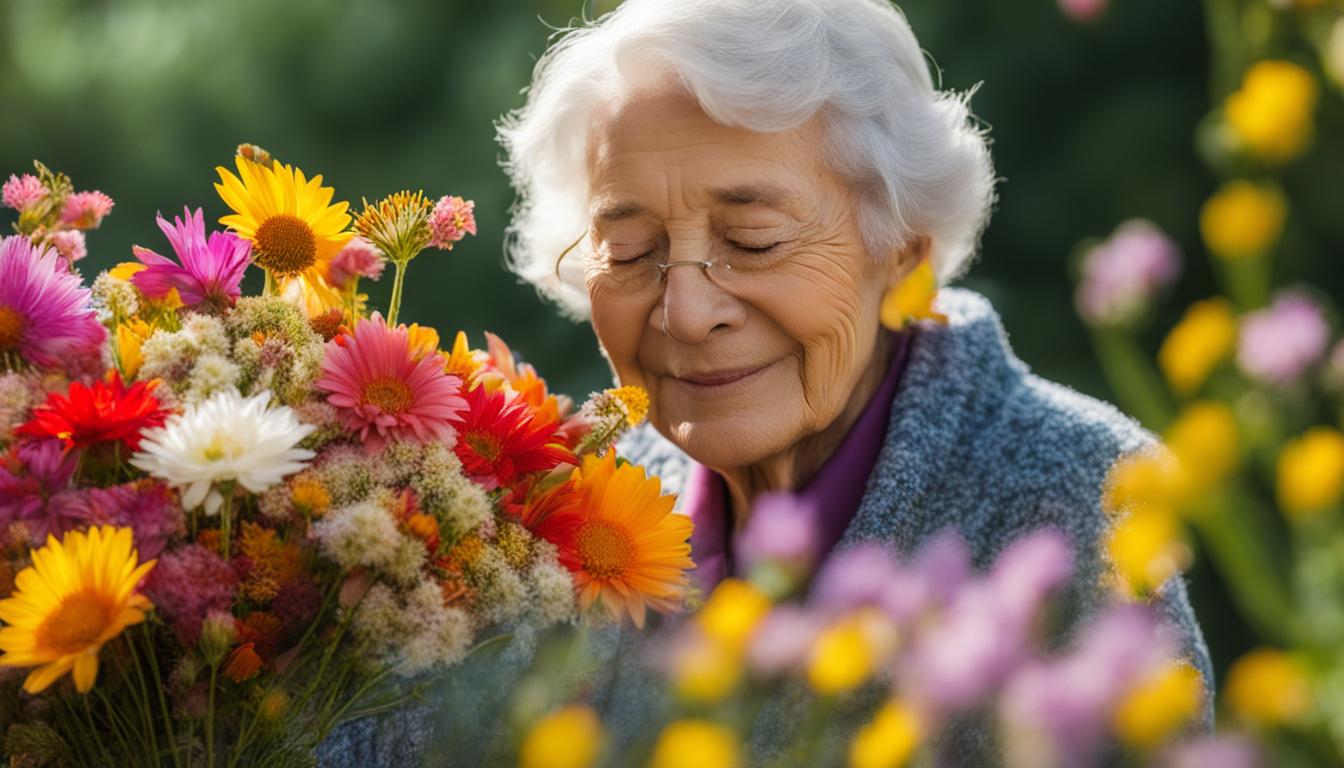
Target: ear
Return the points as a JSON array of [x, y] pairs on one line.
[[903, 259]]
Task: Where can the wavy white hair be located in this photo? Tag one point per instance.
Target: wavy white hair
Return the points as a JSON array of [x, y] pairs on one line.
[[918, 157]]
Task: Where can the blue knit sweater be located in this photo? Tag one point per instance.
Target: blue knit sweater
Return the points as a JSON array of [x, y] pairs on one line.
[[975, 441]]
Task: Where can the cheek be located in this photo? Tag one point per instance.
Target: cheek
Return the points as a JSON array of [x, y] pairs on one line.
[[619, 328], [835, 336]]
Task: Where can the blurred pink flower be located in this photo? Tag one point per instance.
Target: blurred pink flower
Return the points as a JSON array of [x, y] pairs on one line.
[[30, 474], [1122, 274], [22, 191], [70, 244], [85, 210], [210, 271], [1083, 10], [1229, 750], [782, 529], [783, 639], [148, 507], [451, 220], [359, 258], [1279, 343]]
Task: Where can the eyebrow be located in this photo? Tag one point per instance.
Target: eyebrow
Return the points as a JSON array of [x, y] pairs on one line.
[[743, 194]]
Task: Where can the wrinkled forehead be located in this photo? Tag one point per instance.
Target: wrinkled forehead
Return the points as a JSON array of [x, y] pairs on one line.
[[643, 140]]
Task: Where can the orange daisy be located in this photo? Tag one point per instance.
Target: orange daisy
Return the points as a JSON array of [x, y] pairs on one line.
[[618, 536]]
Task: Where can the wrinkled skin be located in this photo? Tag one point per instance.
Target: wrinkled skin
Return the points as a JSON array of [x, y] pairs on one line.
[[658, 167]]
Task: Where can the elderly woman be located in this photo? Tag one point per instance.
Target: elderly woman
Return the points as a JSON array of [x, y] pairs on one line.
[[728, 189]]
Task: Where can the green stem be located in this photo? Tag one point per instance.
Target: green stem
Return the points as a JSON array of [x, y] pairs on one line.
[[268, 289], [210, 718], [226, 518], [1134, 379], [397, 282], [158, 688], [88, 719], [1238, 540]]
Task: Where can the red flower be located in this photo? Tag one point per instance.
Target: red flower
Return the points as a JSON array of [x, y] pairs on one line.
[[107, 412], [499, 441]]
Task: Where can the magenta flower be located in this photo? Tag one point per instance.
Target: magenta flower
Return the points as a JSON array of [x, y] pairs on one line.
[[1227, 750], [385, 392], [186, 585], [30, 474], [784, 639], [1030, 569], [210, 271], [147, 507], [85, 210], [1279, 343], [23, 191], [451, 220], [1123, 274], [359, 258], [45, 312]]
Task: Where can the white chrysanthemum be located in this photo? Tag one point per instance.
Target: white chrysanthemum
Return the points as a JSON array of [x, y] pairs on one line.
[[225, 438]]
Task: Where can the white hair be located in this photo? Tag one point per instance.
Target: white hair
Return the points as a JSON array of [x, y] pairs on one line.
[[915, 153]]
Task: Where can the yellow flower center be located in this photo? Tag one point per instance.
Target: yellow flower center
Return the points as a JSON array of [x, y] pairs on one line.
[[286, 244], [604, 549], [223, 446], [486, 445], [11, 328], [389, 394], [77, 624]]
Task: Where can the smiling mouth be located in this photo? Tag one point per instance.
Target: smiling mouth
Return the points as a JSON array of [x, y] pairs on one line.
[[721, 378]]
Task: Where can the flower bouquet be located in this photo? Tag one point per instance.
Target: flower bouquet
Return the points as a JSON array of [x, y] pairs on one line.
[[229, 523]]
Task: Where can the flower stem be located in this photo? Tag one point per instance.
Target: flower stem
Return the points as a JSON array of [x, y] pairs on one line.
[[158, 689], [210, 718], [226, 518], [268, 289], [397, 282]]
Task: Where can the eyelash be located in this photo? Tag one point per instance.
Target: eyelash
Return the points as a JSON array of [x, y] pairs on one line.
[[736, 245]]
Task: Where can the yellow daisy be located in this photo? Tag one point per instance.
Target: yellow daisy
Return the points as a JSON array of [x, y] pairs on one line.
[[78, 594], [289, 218]]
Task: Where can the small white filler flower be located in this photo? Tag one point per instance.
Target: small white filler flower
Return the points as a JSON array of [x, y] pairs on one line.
[[225, 438]]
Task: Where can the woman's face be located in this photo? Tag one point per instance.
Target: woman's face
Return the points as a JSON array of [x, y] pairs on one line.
[[738, 370]]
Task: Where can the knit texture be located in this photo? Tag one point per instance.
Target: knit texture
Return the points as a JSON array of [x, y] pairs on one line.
[[975, 442]]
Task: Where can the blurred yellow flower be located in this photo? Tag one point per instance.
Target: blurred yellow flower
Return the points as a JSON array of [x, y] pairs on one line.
[[1268, 687], [849, 652], [1204, 441], [889, 740], [1242, 220], [463, 361], [570, 737], [1311, 472], [706, 670], [912, 299], [732, 613], [696, 744], [127, 269], [1198, 343], [1272, 113], [310, 293], [1149, 480], [1145, 549], [130, 335], [1159, 706], [423, 340]]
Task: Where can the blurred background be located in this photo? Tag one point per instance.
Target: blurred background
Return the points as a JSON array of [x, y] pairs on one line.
[[1093, 123]]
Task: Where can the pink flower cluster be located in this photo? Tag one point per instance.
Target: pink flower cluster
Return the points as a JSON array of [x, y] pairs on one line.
[[451, 220], [359, 258], [22, 192]]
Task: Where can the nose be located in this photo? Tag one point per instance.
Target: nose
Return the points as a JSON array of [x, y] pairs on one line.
[[693, 307]]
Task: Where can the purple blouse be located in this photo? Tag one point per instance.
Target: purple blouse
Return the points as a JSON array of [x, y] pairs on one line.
[[835, 491]]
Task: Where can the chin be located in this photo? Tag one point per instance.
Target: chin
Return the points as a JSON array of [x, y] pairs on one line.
[[727, 442]]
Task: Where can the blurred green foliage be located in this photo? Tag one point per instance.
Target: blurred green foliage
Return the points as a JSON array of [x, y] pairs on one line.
[[1092, 124]]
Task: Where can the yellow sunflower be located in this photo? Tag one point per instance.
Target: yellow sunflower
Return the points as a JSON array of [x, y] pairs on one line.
[[618, 535], [289, 218], [78, 594]]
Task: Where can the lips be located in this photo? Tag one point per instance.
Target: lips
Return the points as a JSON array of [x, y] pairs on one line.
[[722, 377]]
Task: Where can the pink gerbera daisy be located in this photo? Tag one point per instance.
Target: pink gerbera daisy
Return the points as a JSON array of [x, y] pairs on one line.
[[383, 392], [210, 272], [85, 210], [45, 314]]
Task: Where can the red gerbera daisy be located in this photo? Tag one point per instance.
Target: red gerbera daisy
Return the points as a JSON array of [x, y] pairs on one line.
[[105, 413], [498, 441]]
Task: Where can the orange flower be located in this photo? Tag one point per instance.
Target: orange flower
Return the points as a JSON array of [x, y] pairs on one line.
[[243, 664], [504, 369], [618, 535]]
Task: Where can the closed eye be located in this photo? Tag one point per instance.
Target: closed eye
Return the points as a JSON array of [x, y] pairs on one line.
[[752, 248]]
